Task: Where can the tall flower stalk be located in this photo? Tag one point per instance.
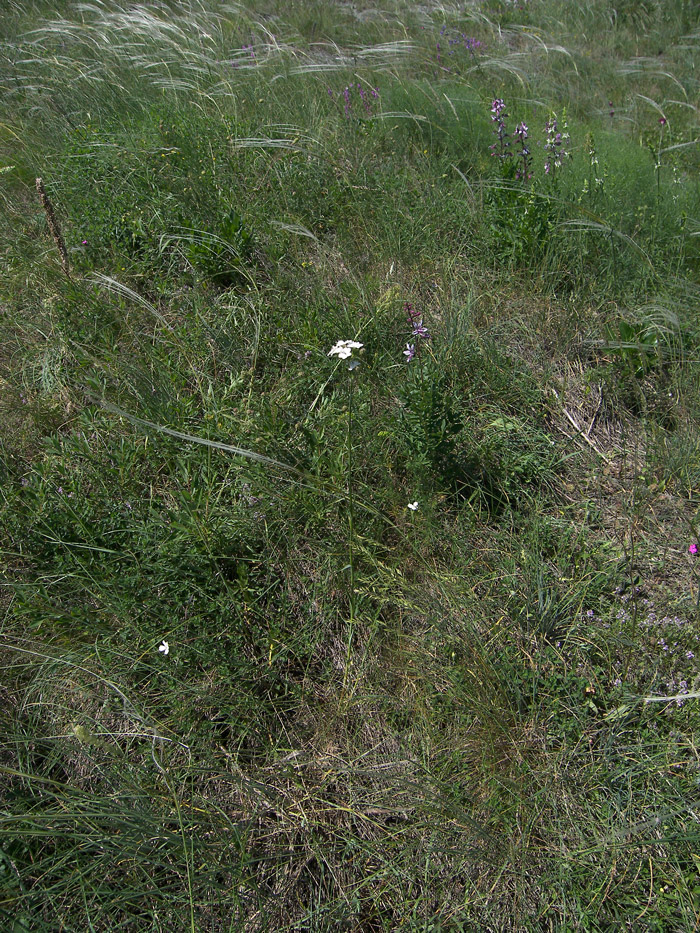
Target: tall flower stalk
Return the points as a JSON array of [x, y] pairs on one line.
[[595, 183], [343, 349], [419, 331], [555, 145], [501, 147], [657, 160], [523, 171]]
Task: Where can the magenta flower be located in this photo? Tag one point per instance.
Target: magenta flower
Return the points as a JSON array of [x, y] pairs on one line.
[[693, 549]]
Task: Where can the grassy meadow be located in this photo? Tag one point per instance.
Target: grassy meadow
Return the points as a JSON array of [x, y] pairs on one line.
[[395, 634]]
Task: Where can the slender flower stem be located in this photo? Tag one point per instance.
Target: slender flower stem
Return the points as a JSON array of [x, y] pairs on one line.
[[351, 535], [351, 555]]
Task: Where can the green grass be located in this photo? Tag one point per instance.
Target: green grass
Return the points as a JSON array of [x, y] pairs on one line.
[[370, 717]]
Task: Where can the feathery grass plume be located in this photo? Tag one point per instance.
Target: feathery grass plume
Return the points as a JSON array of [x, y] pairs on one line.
[[53, 225]]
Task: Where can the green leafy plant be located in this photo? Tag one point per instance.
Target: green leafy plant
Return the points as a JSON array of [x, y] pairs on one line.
[[222, 257]]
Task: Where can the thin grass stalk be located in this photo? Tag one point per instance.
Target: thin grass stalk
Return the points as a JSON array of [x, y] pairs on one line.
[[188, 852]]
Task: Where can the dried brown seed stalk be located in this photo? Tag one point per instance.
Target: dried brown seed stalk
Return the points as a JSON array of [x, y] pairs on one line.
[[53, 225]]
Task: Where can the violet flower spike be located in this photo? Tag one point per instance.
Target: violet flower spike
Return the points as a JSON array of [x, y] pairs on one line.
[[523, 171], [498, 109]]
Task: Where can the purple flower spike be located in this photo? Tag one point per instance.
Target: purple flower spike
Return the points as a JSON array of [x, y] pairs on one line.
[[413, 315], [523, 172], [354, 94], [555, 144], [500, 148]]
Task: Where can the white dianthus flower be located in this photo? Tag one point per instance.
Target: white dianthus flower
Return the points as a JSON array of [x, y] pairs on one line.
[[343, 349]]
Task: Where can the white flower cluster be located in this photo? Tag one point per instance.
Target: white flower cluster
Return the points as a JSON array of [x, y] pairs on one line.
[[343, 349]]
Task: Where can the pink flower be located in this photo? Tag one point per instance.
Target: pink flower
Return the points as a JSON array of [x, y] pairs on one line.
[[693, 549]]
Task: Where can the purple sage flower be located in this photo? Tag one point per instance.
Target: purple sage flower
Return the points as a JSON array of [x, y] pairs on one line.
[[418, 330], [555, 144], [523, 171], [363, 97], [351, 93], [500, 148]]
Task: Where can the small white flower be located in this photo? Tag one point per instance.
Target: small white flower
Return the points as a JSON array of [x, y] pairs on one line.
[[164, 647], [343, 349], [413, 506]]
